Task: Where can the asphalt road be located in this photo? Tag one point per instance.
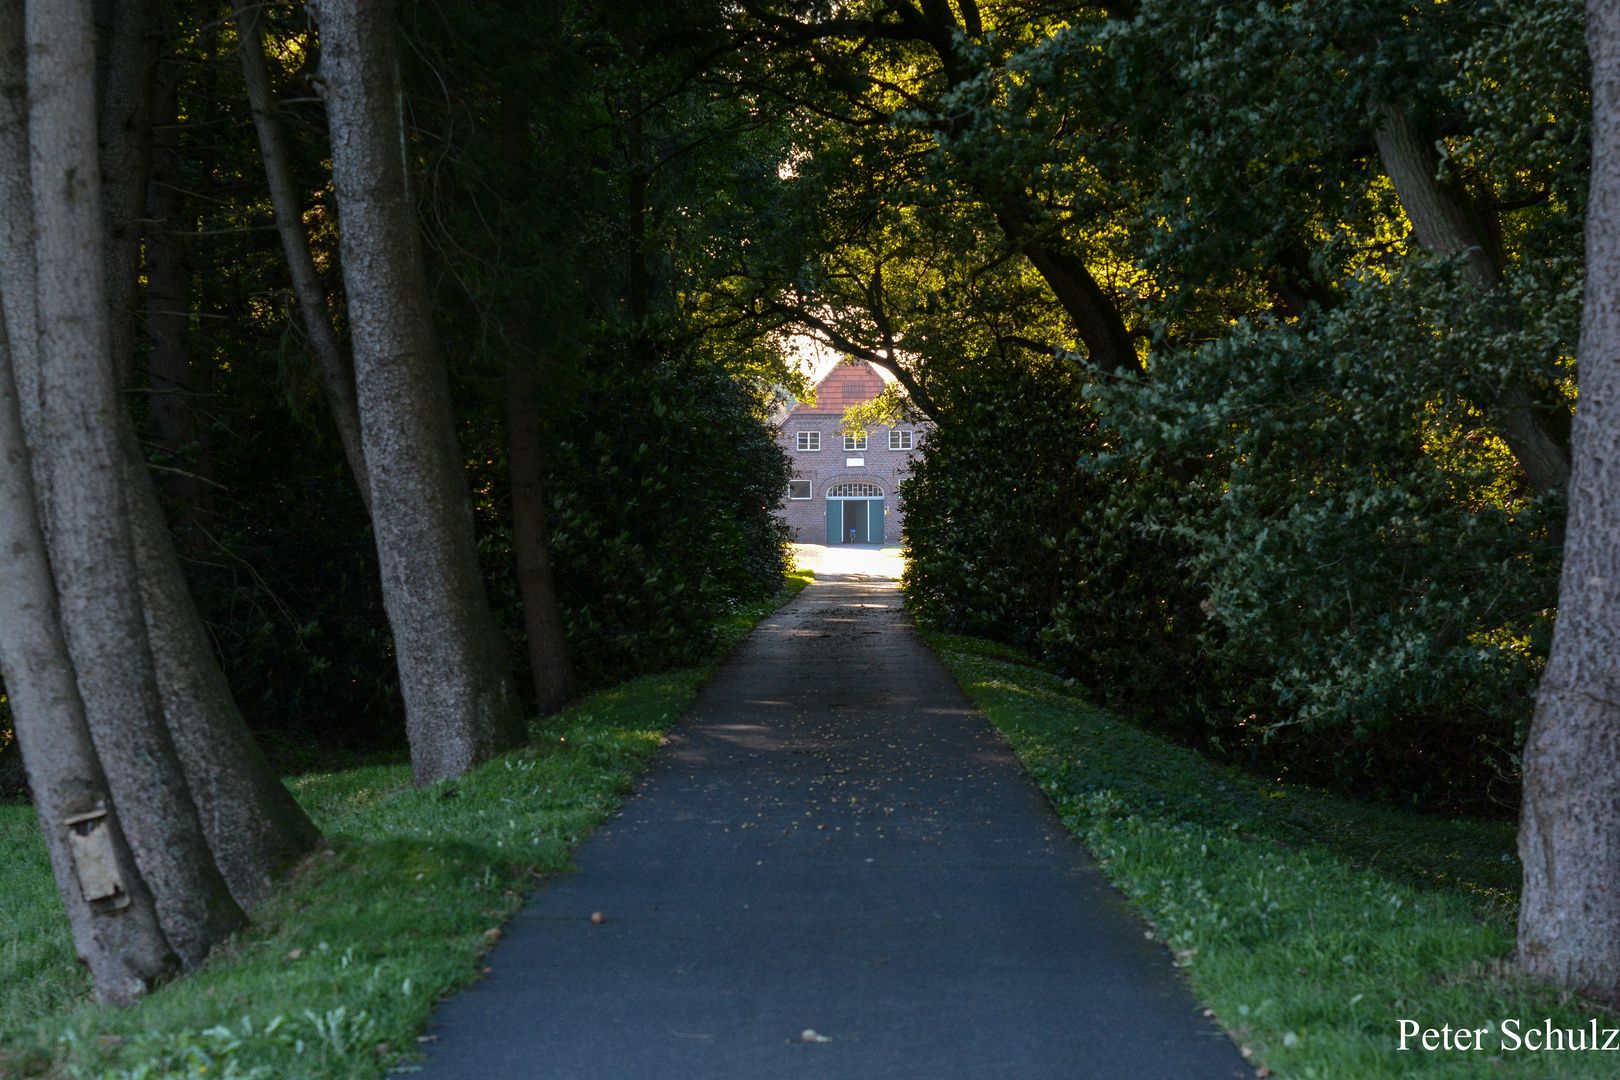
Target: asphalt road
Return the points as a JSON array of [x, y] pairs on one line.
[[836, 841]]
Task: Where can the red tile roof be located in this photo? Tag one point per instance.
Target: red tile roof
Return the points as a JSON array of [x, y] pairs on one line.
[[850, 383]]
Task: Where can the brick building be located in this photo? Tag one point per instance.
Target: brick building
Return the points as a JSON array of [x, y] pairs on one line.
[[845, 488]]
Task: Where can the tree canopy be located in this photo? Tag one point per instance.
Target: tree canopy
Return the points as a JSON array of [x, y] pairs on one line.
[[1246, 331]]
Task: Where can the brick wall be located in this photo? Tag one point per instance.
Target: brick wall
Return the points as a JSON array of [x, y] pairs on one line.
[[848, 384]]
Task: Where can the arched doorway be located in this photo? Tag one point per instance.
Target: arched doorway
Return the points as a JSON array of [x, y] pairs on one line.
[[855, 513]]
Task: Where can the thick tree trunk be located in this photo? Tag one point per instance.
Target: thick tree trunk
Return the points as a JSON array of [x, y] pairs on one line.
[[112, 912], [168, 304], [18, 281], [1569, 833], [1441, 223], [460, 706], [554, 681], [1095, 317], [337, 377], [124, 106], [92, 554]]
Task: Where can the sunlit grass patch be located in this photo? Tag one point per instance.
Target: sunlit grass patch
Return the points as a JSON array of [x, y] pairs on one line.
[[1309, 924]]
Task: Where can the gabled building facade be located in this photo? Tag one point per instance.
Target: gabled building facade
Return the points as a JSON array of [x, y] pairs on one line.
[[845, 488]]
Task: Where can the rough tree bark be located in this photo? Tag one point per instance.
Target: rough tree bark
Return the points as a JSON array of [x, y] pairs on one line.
[[124, 112], [460, 705], [1442, 224], [337, 377], [554, 681], [112, 912], [92, 553], [1569, 832], [168, 315], [18, 281], [113, 915]]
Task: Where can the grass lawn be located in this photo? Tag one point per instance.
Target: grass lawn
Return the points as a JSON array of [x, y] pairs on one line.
[[1309, 924], [342, 967]]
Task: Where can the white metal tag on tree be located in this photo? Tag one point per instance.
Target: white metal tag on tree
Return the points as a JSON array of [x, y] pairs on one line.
[[93, 858]]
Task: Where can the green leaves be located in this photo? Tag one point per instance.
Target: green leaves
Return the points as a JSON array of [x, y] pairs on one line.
[[662, 485]]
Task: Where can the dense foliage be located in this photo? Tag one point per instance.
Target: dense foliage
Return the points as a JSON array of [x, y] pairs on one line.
[[1222, 427], [1296, 535], [552, 249], [661, 487]]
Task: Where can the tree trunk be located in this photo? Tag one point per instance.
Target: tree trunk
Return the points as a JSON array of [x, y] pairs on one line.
[[1569, 832], [337, 377], [552, 672], [1442, 224], [1095, 317], [18, 281], [168, 304], [92, 554], [554, 682], [112, 912], [460, 707], [125, 134]]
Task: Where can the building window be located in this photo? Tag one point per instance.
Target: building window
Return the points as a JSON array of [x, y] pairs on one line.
[[855, 491], [899, 440], [855, 442], [798, 489], [809, 440]]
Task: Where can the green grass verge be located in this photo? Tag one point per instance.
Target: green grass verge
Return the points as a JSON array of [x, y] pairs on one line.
[[1309, 924], [342, 967]]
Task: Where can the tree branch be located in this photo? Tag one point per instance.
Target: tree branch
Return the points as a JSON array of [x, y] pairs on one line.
[[834, 338]]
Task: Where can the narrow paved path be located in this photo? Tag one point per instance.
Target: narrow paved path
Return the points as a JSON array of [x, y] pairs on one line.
[[836, 840]]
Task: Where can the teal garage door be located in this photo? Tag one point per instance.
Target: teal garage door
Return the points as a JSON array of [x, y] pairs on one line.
[[855, 513]]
